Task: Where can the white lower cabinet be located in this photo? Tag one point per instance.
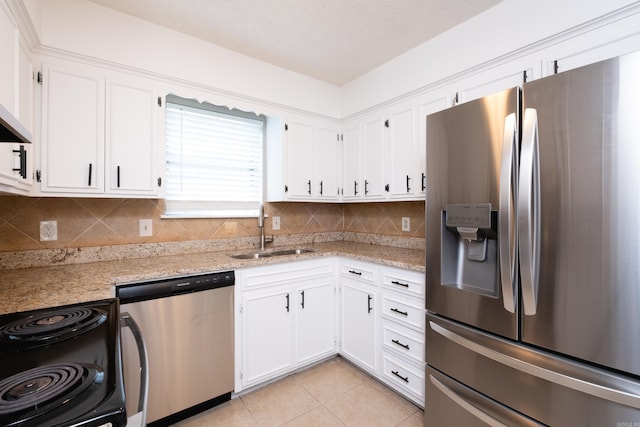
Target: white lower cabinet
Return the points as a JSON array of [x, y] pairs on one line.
[[402, 353], [315, 323], [406, 378], [287, 317], [267, 332], [358, 314], [359, 325]]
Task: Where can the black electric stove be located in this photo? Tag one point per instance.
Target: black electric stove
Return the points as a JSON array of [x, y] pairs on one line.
[[61, 366]]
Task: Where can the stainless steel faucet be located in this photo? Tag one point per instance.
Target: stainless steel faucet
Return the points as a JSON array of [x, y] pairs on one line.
[[263, 240]]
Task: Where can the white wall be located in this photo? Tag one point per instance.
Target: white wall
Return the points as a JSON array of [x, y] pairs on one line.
[[504, 29], [512, 26], [85, 28]]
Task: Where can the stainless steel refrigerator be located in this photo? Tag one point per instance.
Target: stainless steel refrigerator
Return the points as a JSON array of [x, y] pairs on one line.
[[533, 253]]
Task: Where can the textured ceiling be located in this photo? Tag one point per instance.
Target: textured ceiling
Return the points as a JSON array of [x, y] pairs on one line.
[[331, 40]]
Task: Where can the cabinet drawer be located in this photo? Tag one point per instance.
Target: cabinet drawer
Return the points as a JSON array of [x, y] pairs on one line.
[[403, 310], [358, 271], [401, 340], [404, 281], [406, 378]]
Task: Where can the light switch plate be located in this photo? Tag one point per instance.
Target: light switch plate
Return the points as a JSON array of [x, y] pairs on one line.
[[406, 223], [146, 228], [275, 223]]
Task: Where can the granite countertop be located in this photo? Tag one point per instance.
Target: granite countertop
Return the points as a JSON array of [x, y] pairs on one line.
[[39, 287]]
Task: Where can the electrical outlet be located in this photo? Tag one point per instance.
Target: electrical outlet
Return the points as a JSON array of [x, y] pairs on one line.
[[146, 228], [275, 223], [48, 230], [406, 223]]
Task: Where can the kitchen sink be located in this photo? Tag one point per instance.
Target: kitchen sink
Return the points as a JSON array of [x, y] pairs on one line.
[[266, 254]]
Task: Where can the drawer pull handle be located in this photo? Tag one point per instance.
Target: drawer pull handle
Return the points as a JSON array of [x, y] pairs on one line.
[[404, 313], [405, 379], [396, 342], [359, 273], [395, 282], [369, 308]]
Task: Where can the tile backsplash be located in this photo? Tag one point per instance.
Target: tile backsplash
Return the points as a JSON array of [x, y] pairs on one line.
[[101, 222]]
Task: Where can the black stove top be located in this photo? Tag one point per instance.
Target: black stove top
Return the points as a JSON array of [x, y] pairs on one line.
[[62, 367]]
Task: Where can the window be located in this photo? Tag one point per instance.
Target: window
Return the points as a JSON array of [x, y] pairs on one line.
[[214, 160]]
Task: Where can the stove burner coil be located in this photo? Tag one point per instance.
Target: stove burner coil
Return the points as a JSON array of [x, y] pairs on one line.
[[43, 328], [40, 390]]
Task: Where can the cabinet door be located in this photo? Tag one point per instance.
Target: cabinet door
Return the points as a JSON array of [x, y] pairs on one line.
[[299, 160], [351, 162], [72, 131], [25, 88], [8, 57], [131, 139], [402, 153], [315, 321], [430, 103], [267, 335], [9, 160], [358, 325], [372, 146], [326, 159]]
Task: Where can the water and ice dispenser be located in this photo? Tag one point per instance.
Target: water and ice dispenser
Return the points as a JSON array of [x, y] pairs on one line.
[[469, 252]]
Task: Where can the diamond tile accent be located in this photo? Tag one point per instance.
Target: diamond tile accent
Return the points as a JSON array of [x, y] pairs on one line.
[[101, 222]]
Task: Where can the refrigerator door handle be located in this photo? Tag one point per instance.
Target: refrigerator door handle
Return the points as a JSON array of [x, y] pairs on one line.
[[506, 217], [467, 406], [528, 213], [563, 379]]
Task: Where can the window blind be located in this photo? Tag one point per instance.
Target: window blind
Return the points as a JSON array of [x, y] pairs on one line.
[[214, 162]]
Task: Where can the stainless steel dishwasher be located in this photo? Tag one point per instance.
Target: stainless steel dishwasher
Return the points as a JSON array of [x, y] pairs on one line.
[[187, 326]]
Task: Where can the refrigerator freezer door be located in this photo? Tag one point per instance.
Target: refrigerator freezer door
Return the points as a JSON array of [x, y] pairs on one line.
[[453, 404], [588, 296], [551, 390], [465, 167]]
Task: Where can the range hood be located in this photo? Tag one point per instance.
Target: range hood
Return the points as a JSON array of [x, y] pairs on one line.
[[11, 130]]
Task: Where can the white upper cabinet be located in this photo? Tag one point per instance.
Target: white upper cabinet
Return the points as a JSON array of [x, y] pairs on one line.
[[500, 78], [402, 144], [131, 155], [16, 96], [299, 160], [72, 130], [372, 184], [363, 159], [311, 163], [351, 168], [8, 61], [326, 151], [380, 154], [99, 133]]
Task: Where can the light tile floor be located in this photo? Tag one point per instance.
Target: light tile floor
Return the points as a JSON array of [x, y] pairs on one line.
[[333, 393]]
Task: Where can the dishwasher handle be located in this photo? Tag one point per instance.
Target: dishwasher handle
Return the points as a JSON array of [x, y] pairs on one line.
[[126, 321]]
